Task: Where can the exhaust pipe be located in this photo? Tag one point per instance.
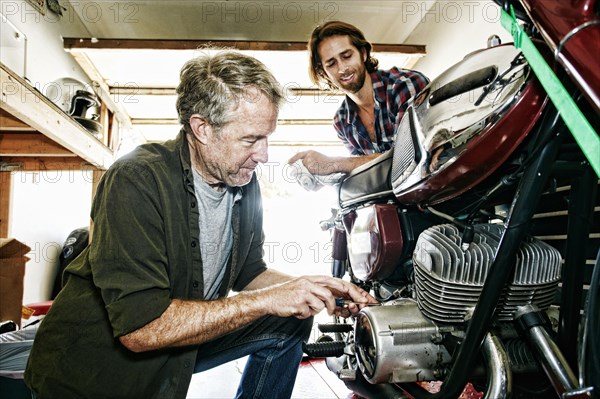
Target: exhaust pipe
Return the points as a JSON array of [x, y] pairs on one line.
[[499, 385], [531, 323]]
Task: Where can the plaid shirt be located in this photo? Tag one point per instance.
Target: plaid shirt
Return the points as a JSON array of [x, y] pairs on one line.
[[392, 89]]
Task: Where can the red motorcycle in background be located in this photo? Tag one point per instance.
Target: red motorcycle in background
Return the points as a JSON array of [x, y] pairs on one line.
[[477, 232]]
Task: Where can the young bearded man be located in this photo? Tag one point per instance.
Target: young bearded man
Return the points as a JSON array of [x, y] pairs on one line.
[[340, 58]]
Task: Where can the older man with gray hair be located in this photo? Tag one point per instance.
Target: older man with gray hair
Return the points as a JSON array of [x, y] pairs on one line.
[[177, 226]]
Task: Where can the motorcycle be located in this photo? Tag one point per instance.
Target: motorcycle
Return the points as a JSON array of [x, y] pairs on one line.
[[450, 231]]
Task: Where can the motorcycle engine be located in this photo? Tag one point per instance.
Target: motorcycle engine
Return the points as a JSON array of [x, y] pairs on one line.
[[401, 341]]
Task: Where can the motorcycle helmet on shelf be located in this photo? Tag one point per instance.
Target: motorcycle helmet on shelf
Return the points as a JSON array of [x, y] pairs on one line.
[[77, 100]]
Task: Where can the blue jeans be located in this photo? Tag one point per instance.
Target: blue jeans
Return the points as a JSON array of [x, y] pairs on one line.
[[274, 347]]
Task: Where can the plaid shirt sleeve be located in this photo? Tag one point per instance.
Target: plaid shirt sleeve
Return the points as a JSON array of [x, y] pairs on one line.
[[406, 84], [344, 132]]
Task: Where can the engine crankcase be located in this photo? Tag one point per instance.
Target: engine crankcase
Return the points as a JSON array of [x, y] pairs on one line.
[[396, 343]]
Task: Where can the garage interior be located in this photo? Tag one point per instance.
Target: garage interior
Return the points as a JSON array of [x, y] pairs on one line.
[[127, 54]]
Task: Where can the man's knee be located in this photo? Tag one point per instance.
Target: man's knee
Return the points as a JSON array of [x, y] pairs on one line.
[[294, 327], [306, 327]]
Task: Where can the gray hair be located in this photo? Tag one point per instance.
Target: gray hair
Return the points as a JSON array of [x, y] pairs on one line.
[[211, 86]]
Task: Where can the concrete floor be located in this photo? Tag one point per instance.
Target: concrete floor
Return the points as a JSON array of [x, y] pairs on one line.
[[314, 381]]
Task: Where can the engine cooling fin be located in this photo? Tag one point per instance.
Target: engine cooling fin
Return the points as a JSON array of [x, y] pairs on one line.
[[449, 280]]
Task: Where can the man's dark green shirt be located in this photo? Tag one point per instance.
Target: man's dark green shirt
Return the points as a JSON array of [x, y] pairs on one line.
[[144, 252]]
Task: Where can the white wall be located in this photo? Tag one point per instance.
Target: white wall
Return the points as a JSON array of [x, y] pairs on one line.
[[46, 59], [452, 29], [45, 206]]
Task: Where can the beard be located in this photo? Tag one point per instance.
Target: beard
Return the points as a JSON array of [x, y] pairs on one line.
[[240, 177], [221, 169], [357, 83], [230, 174]]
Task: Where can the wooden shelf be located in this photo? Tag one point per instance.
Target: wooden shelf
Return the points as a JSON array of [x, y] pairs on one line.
[[34, 130]]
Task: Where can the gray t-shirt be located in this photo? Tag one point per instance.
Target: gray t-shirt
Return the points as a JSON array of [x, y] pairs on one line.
[[216, 234]]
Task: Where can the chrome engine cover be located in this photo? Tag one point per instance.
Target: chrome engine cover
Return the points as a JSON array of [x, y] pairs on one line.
[[396, 343], [449, 280]]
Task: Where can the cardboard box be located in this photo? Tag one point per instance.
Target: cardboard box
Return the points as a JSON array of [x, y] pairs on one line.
[[12, 271]]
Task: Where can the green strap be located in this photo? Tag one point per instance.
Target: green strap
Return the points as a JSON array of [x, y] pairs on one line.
[[584, 134]]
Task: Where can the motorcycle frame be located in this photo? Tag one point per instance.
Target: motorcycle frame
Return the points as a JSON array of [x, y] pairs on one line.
[[548, 135], [532, 185]]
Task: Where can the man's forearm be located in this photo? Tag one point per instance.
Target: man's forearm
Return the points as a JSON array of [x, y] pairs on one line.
[[348, 164], [341, 164], [187, 322], [320, 164]]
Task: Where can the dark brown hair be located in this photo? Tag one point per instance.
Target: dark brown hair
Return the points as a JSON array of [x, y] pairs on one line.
[[336, 28]]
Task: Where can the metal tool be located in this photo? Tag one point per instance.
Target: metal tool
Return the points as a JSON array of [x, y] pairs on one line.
[[345, 302]]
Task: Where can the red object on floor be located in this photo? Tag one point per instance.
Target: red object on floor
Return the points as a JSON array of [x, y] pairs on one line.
[[40, 308], [468, 393], [313, 370]]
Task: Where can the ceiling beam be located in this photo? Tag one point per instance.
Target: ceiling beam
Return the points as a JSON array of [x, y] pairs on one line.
[[83, 44], [171, 91], [8, 123], [175, 121], [41, 164], [31, 144]]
